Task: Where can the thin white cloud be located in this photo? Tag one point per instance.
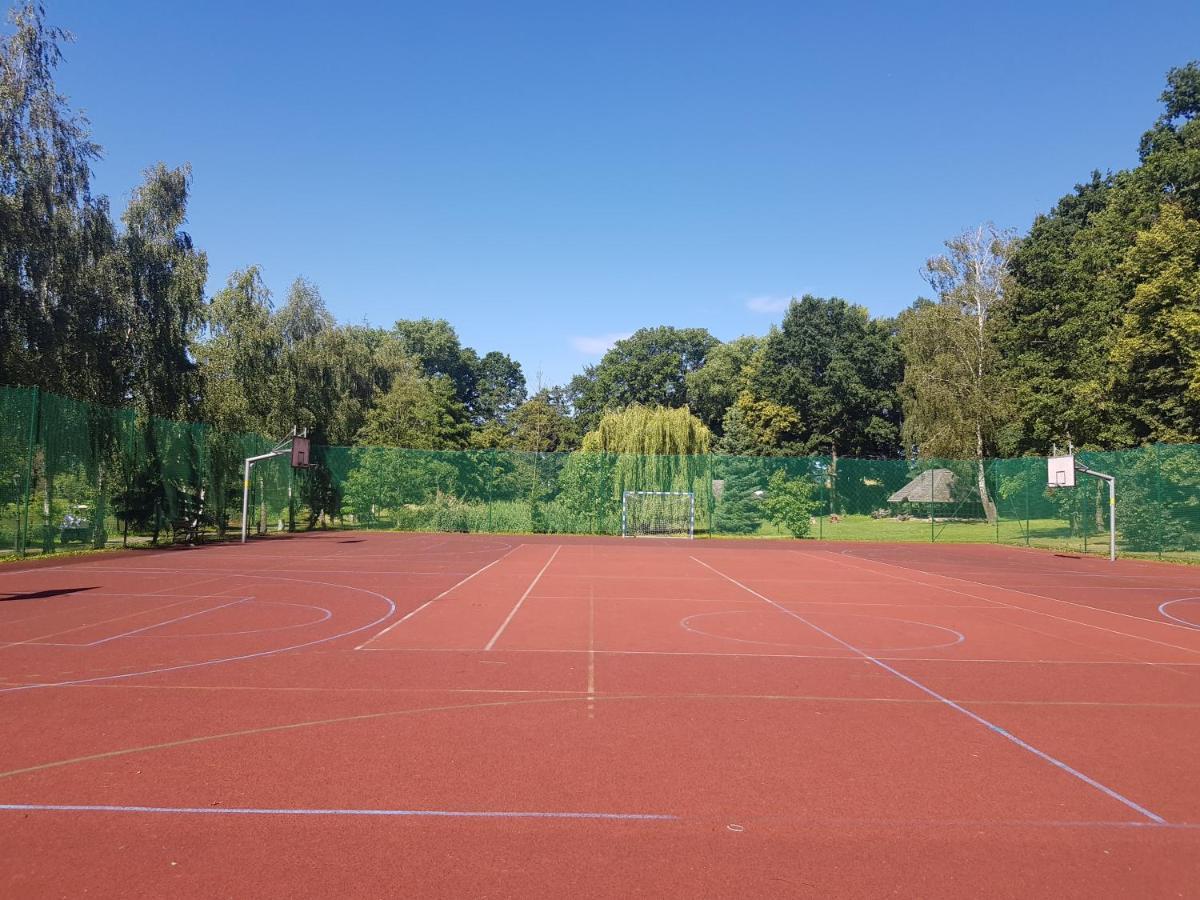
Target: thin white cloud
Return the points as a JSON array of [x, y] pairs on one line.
[[768, 304], [599, 344]]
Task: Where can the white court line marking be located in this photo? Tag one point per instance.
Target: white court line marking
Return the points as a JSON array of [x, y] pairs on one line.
[[1058, 638], [959, 637], [39, 639], [591, 677], [267, 811], [1036, 612], [155, 625], [405, 618], [619, 695], [1162, 608], [975, 717], [167, 622], [52, 605], [938, 659], [165, 594], [528, 591], [224, 659], [997, 587], [906, 824]]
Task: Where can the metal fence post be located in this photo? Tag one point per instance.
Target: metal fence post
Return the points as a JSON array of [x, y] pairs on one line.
[[34, 413]]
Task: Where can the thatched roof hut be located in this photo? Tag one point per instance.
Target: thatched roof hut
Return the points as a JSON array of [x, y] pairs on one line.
[[932, 485]]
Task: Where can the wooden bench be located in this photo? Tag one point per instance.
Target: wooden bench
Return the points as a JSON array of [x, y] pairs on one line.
[[70, 533], [188, 526]]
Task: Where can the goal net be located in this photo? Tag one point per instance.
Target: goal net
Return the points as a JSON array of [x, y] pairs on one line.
[[658, 514]]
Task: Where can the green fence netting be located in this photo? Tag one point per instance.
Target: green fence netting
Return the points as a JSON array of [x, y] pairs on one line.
[[75, 475]]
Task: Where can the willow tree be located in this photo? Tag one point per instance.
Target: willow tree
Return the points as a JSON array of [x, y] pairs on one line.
[[639, 448], [649, 431]]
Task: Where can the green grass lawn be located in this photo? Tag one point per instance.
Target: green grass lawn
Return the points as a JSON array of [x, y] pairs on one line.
[[515, 518], [1046, 534]]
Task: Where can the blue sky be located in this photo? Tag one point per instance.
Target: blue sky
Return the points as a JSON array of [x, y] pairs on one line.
[[549, 175]]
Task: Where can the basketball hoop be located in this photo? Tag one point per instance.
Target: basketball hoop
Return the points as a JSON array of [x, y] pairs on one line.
[[1060, 473], [295, 446], [300, 453]]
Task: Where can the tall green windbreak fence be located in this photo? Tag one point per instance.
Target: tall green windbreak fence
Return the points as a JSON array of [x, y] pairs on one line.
[[78, 475], [75, 475]]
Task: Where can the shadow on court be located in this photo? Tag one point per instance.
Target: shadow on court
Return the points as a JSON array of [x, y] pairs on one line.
[[41, 595]]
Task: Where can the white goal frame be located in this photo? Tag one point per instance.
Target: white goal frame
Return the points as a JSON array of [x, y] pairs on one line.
[[691, 521]]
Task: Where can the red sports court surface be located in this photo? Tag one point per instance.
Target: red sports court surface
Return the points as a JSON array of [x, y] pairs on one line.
[[389, 715]]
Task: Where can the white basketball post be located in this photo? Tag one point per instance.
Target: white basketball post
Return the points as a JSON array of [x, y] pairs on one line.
[[294, 445], [1061, 473]]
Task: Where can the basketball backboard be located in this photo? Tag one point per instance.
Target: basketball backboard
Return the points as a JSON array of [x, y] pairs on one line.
[[299, 452], [1061, 471]]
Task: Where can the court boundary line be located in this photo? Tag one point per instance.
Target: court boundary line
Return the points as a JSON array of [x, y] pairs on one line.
[[843, 554], [536, 578], [163, 594], [991, 726], [683, 623], [391, 610], [193, 615], [841, 558], [124, 634], [733, 653], [827, 822], [628, 695], [268, 811], [512, 549]]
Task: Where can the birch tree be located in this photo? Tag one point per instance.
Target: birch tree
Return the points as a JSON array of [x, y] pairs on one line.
[[954, 397]]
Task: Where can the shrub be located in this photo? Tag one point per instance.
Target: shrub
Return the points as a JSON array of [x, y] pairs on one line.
[[790, 503]]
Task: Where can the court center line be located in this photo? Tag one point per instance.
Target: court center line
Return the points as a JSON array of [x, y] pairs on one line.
[[591, 675], [431, 600], [528, 591], [975, 717]]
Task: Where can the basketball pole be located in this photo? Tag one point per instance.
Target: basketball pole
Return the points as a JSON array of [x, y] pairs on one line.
[[283, 448], [1112, 506], [1061, 473]]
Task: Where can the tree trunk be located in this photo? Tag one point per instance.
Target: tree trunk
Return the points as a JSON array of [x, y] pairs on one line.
[[99, 535], [833, 476], [47, 506], [989, 508], [262, 505]]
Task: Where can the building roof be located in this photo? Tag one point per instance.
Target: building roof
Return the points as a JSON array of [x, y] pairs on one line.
[[932, 485]]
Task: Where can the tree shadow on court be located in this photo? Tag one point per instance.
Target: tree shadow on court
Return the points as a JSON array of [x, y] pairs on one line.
[[41, 595]]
